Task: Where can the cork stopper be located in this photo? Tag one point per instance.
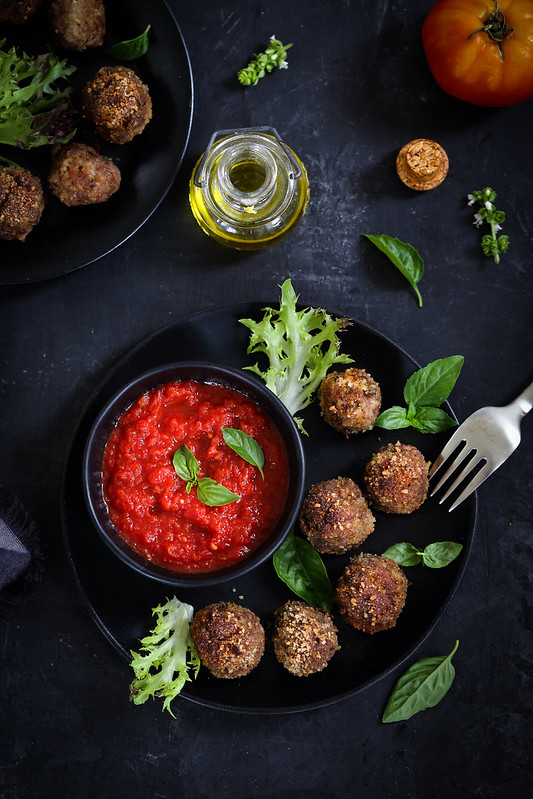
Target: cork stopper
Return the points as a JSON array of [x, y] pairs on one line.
[[422, 164]]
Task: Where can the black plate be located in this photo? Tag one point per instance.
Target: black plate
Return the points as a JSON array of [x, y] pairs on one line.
[[68, 238], [120, 600]]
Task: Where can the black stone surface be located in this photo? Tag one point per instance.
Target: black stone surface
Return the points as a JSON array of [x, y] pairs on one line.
[[356, 90]]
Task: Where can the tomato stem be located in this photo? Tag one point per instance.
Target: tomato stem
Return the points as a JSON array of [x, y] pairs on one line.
[[496, 28]]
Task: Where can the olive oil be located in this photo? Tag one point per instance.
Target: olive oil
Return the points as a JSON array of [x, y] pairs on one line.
[[248, 190]]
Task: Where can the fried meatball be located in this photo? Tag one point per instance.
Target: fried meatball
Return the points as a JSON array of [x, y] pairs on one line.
[[396, 478], [304, 638], [335, 516], [81, 176], [350, 401], [229, 639], [21, 202], [78, 24], [371, 592], [18, 11], [118, 103]]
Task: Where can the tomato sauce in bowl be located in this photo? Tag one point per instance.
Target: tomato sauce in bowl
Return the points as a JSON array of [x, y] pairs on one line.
[[152, 508], [150, 516]]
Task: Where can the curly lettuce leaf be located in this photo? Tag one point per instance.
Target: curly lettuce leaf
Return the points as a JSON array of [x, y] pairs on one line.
[[34, 110], [300, 346], [167, 655]]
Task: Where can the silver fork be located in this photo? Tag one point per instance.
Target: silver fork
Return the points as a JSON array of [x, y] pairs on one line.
[[487, 438]]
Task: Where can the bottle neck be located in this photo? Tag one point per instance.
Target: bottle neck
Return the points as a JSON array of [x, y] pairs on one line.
[[247, 177]]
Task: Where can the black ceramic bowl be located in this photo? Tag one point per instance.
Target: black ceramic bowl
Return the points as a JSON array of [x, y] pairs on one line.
[[106, 420]]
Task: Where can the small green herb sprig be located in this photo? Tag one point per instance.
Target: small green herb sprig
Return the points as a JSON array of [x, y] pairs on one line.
[[208, 491], [423, 685], [275, 55], [435, 555], [424, 392], [491, 244]]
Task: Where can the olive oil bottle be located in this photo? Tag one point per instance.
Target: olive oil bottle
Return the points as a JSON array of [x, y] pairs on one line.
[[248, 190]]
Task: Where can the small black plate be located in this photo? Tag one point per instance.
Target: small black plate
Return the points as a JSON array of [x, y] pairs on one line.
[[69, 238], [121, 601]]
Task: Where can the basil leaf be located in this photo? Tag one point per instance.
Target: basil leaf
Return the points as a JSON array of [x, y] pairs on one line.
[[246, 446], [423, 685], [186, 466], [300, 567], [440, 553], [431, 420], [130, 49], [213, 494], [404, 554], [393, 418], [432, 384], [404, 257]]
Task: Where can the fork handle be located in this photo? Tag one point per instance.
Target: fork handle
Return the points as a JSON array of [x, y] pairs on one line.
[[524, 401]]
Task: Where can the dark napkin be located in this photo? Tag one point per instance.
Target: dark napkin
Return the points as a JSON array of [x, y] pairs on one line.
[[21, 557], [14, 556]]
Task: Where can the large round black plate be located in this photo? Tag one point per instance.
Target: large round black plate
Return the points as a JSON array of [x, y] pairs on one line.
[[121, 600], [69, 238]]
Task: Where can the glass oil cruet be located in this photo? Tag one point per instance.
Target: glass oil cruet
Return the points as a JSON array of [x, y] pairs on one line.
[[248, 189]]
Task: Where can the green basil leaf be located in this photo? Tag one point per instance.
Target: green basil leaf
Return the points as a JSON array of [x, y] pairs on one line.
[[431, 420], [301, 568], [440, 553], [393, 418], [213, 494], [432, 384], [404, 257], [423, 685], [130, 49], [186, 465], [404, 554], [246, 446]]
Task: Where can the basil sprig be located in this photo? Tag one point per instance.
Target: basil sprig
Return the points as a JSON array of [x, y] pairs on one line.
[[208, 491], [423, 685], [436, 555], [130, 49], [424, 391], [300, 567], [246, 446], [404, 257]]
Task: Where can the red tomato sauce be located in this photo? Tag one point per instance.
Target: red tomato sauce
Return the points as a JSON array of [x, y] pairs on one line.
[[148, 503]]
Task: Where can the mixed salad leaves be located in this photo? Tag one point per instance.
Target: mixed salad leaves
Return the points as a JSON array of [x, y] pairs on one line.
[[300, 345], [35, 107], [167, 656]]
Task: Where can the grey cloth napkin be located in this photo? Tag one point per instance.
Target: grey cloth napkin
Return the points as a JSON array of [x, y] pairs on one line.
[[21, 556], [14, 556]]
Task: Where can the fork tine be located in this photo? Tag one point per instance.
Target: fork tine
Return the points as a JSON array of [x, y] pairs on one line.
[[467, 469], [463, 458], [476, 481], [449, 448]]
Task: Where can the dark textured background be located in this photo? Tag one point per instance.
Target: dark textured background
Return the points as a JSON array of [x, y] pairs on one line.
[[356, 90]]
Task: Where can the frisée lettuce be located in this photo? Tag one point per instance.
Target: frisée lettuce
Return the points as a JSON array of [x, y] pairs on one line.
[[167, 656], [34, 110], [300, 345]]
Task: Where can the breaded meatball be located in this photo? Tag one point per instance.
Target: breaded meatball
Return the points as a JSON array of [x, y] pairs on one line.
[[396, 478], [118, 103], [78, 24], [81, 176], [350, 401], [304, 638], [371, 592], [18, 11], [335, 516], [21, 202], [229, 639]]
